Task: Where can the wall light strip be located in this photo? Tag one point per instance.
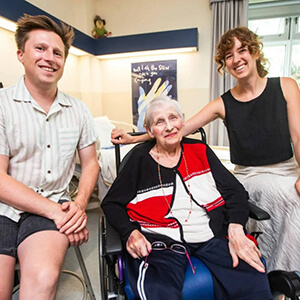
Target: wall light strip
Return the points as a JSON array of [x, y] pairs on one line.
[[7, 24], [145, 53], [77, 51]]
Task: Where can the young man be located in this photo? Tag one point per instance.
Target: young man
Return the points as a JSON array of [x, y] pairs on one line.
[[40, 130]]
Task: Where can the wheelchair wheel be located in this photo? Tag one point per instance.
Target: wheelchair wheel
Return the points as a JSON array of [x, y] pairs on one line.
[[110, 285]]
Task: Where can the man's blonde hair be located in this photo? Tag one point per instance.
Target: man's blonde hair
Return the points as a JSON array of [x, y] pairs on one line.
[[27, 23]]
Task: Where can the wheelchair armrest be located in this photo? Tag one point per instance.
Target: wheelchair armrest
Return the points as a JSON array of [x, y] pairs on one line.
[[136, 133], [113, 240], [257, 213]]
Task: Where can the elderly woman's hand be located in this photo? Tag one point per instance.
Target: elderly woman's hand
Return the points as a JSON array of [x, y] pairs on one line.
[[242, 247], [137, 245]]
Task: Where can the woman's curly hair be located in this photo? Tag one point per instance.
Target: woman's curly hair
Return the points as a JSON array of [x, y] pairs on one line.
[[248, 39]]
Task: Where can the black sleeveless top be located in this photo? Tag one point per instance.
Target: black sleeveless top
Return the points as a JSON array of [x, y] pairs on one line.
[[258, 130]]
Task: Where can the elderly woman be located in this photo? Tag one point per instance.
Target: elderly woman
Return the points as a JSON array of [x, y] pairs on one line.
[[173, 194]]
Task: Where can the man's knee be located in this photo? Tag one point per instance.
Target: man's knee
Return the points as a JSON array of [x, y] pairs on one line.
[[43, 277]]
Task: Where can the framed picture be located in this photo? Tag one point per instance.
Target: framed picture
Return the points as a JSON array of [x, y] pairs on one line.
[[149, 80]]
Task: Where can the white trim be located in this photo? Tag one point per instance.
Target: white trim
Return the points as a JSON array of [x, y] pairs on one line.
[[141, 279]]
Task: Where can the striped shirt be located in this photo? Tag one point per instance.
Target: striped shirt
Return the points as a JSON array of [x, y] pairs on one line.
[[41, 147]]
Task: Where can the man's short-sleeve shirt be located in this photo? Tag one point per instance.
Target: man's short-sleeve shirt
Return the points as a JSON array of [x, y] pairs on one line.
[[41, 147]]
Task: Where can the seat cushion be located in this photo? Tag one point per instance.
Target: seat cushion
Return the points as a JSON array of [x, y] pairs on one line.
[[198, 285]]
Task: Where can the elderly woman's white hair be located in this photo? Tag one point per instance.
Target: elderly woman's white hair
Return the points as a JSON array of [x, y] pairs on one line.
[[154, 106]]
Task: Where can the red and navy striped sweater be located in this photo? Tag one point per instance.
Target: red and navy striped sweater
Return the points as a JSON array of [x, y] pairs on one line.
[[137, 201]]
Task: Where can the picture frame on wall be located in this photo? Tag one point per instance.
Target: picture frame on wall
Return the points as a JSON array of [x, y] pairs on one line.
[[149, 80]]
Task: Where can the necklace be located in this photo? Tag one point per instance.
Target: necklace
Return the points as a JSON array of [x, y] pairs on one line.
[[188, 183]]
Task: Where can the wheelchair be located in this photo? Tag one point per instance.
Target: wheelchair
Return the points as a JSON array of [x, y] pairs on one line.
[[112, 269], [196, 286]]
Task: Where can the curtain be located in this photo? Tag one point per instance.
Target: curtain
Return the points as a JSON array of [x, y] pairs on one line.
[[226, 14]]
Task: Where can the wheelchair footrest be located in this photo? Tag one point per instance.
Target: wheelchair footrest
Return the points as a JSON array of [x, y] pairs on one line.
[[287, 283]]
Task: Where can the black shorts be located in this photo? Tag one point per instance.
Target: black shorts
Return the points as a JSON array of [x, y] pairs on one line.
[[12, 233]]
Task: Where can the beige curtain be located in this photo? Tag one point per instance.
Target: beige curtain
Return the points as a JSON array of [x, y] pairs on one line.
[[226, 14]]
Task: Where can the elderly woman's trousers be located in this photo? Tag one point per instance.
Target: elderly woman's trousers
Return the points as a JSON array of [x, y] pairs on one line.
[[163, 275]]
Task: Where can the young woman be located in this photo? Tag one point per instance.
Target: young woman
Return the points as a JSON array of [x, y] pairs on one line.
[[262, 119]]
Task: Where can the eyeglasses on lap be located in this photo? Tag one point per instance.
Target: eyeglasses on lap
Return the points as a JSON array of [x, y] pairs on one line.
[[177, 248]]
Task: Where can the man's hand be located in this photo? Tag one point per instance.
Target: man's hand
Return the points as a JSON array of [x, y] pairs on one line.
[[242, 247], [137, 245], [76, 239], [74, 220]]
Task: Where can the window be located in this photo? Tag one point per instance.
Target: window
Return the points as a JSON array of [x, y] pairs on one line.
[[281, 39], [268, 27], [277, 22]]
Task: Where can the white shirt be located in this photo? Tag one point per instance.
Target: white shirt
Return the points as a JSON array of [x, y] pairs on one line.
[[41, 147]]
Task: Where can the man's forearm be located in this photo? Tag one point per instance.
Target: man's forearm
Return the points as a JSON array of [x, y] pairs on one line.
[[21, 197], [87, 182]]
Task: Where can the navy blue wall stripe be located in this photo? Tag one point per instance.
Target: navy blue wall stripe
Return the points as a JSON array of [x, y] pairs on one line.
[[13, 9]]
